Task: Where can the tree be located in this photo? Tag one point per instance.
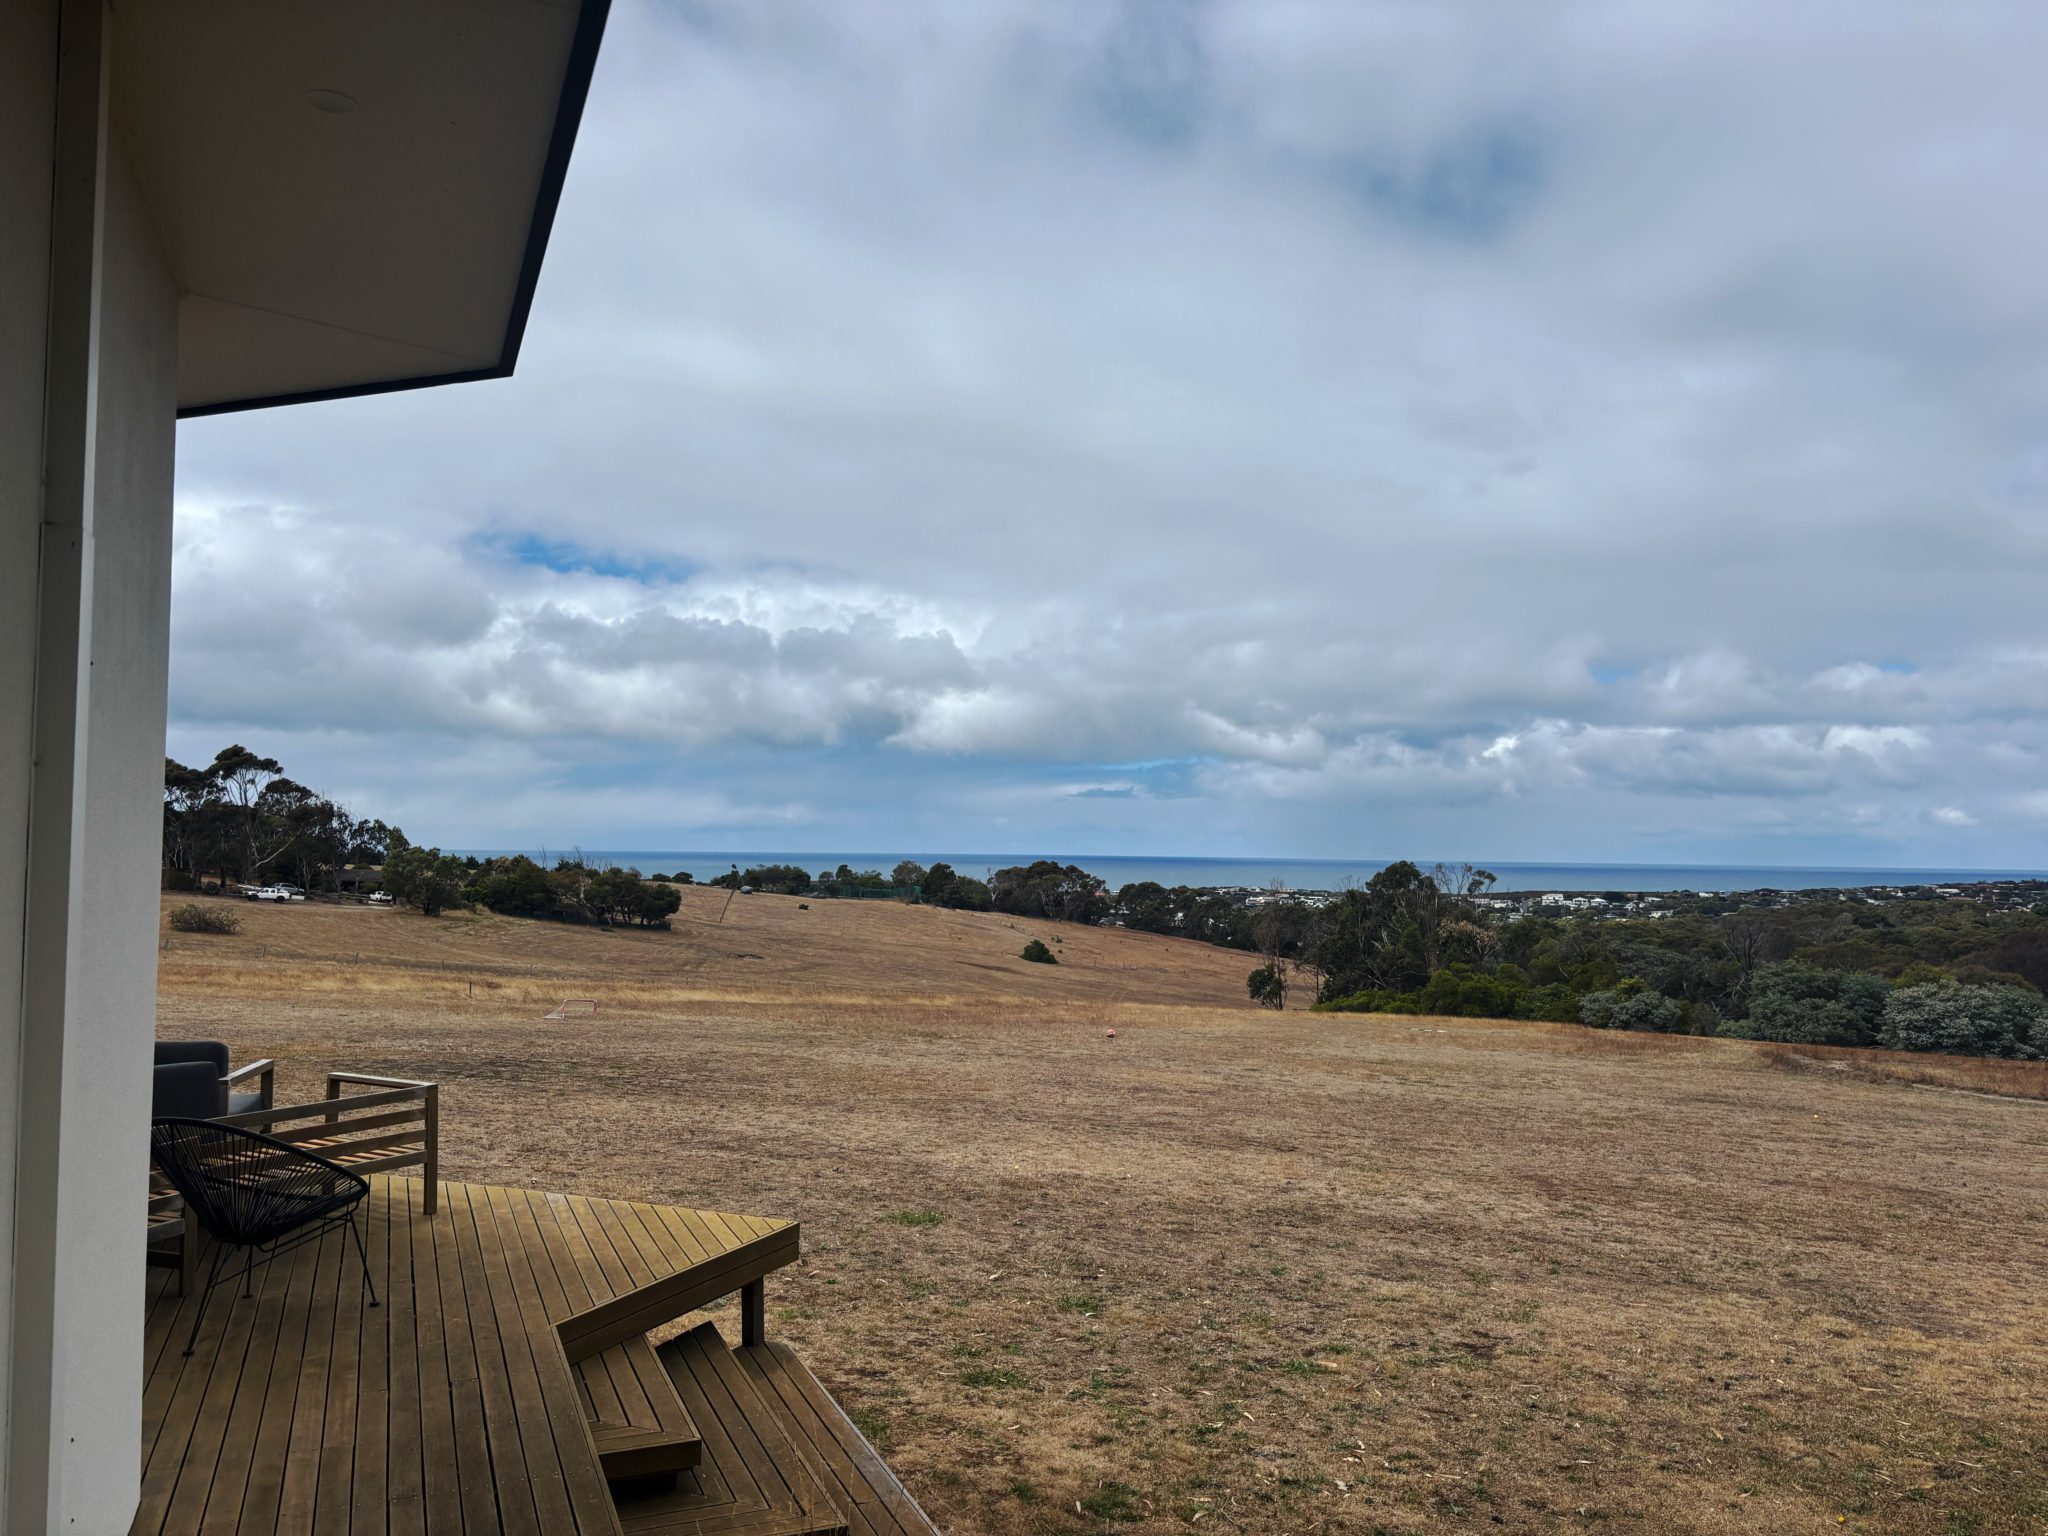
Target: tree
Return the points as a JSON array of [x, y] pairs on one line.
[[1751, 940], [941, 887], [908, 872], [1061, 893], [425, 878], [1384, 937], [1039, 953], [1268, 985], [242, 778], [1967, 1020], [1462, 882], [783, 879], [188, 793]]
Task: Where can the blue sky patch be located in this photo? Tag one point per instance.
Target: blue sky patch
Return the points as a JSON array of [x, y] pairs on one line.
[[572, 558]]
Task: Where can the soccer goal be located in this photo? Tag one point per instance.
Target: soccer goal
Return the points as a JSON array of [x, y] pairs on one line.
[[572, 1007]]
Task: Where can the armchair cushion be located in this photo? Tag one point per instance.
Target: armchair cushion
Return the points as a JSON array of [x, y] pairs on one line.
[[214, 1051], [188, 1090]]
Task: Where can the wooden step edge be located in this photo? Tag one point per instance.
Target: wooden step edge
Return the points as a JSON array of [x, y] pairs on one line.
[[843, 1458], [641, 1308], [666, 1439], [624, 1451], [815, 1513]]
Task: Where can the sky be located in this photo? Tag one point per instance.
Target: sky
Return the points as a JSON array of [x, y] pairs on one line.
[[1600, 432]]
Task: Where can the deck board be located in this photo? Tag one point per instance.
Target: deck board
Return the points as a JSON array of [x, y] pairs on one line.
[[855, 1476], [447, 1410]]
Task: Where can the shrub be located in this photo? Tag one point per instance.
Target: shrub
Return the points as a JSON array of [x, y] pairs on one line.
[[1806, 1005], [1966, 1020], [1596, 1009], [1369, 1001], [1461, 992], [1649, 1012], [1268, 985], [1038, 954], [194, 918]]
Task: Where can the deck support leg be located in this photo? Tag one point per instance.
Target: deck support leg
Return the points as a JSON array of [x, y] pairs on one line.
[[754, 1313], [431, 1169]]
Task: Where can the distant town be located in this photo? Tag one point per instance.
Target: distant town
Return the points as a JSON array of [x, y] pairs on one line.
[[1995, 895]]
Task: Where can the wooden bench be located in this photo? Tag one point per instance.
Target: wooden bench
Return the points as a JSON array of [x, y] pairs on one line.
[[396, 1124]]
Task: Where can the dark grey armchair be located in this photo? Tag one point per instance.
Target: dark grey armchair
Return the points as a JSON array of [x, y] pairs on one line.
[[194, 1081]]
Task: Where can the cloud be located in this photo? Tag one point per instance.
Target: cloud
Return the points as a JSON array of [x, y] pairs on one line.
[[1566, 432]]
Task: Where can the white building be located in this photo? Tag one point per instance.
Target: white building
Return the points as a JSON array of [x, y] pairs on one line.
[[205, 205]]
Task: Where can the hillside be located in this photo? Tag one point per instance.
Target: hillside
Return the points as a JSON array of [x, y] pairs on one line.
[[1234, 1270], [765, 945]]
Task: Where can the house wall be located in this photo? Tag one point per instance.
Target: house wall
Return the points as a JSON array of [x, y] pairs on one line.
[[85, 592], [28, 49]]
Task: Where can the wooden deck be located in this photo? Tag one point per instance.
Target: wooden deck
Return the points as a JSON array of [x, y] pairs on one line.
[[504, 1379]]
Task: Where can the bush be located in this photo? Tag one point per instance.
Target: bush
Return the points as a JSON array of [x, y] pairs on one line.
[[1458, 991], [1461, 992], [1966, 1020], [1596, 1009], [1268, 985], [194, 918], [1806, 1005], [1038, 954], [1368, 1001]]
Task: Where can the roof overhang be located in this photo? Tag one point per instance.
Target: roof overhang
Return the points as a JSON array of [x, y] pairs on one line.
[[352, 195]]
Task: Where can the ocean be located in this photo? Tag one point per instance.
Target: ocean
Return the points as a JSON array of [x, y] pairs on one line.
[[1306, 874]]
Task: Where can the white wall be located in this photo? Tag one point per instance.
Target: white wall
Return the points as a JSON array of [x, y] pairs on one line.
[[28, 50], [81, 1005]]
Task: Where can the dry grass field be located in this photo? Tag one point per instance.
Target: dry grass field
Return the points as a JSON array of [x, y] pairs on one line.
[[1233, 1270]]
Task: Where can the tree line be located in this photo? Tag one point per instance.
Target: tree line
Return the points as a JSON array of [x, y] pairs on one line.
[[1938, 975], [1043, 889], [240, 820]]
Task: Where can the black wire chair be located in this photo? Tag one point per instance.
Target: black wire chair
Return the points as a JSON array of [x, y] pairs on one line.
[[257, 1193]]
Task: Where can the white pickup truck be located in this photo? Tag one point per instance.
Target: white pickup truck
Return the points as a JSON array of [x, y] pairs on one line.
[[273, 893]]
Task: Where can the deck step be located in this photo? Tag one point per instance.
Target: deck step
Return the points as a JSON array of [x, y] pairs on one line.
[[752, 1480], [637, 1421], [855, 1477]]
